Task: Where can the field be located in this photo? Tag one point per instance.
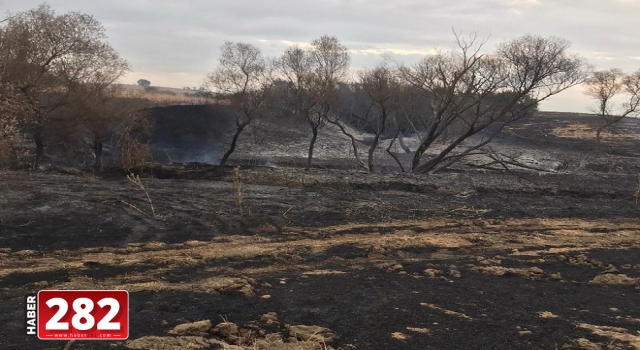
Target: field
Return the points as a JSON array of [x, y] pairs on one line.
[[282, 258]]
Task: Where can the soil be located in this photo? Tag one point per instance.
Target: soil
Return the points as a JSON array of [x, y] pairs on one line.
[[462, 260]]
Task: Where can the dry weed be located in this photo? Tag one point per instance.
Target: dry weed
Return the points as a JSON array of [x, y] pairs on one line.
[[135, 180], [239, 193]]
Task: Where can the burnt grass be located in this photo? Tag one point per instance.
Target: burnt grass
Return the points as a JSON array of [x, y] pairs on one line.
[[511, 262], [460, 260]]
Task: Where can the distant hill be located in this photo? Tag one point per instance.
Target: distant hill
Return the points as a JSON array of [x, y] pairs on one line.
[[166, 95]]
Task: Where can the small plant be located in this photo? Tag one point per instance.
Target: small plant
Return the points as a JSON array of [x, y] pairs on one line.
[[239, 192], [135, 180]]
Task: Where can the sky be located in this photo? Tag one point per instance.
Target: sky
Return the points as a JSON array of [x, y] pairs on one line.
[[175, 43]]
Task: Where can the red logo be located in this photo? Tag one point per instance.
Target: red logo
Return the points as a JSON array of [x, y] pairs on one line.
[[82, 314]]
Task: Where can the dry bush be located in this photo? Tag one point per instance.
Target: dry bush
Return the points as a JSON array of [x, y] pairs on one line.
[[133, 152]]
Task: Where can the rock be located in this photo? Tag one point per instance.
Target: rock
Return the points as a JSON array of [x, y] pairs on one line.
[[312, 333], [227, 331], [168, 343], [266, 296], [194, 328], [525, 332]]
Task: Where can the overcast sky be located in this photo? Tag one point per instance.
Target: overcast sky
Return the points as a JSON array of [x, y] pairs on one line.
[[176, 43]]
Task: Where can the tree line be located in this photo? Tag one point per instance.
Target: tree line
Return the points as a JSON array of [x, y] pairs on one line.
[[58, 75]]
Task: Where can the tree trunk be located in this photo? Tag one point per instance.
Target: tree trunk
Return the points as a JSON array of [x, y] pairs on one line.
[[419, 152], [234, 143], [97, 152], [599, 137], [311, 145], [431, 163], [37, 138], [354, 145], [402, 144], [372, 150], [393, 155]]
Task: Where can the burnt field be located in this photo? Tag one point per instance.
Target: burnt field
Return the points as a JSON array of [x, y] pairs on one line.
[[282, 258]]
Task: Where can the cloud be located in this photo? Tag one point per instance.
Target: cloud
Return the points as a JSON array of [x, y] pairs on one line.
[[177, 42]]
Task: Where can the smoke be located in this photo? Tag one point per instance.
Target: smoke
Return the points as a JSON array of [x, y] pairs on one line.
[[187, 151]]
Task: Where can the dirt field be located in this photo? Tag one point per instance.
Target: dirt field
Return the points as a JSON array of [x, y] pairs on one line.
[[383, 261]]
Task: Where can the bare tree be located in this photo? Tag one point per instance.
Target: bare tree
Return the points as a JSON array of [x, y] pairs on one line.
[[605, 87], [42, 52], [312, 77], [243, 77], [382, 86], [477, 91]]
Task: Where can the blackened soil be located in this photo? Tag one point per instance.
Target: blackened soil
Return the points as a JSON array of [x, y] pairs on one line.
[[455, 261]]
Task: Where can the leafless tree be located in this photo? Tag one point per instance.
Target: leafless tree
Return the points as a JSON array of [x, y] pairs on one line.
[[243, 77], [41, 52], [478, 91], [605, 87], [382, 86], [312, 76]]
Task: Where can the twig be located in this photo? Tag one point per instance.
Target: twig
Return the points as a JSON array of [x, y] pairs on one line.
[[136, 208], [284, 215], [68, 345], [135, 179]]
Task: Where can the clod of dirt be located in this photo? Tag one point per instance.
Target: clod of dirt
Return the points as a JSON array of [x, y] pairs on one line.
[[194, 328], [169, 343], [455, 273], [311, 333], [556, 276], [432, 273], [533, 272], [397, 267], [390, 266], [228, 331], [235, 286], [269, 318], [485, 261], [583, 260], [615, 279]]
